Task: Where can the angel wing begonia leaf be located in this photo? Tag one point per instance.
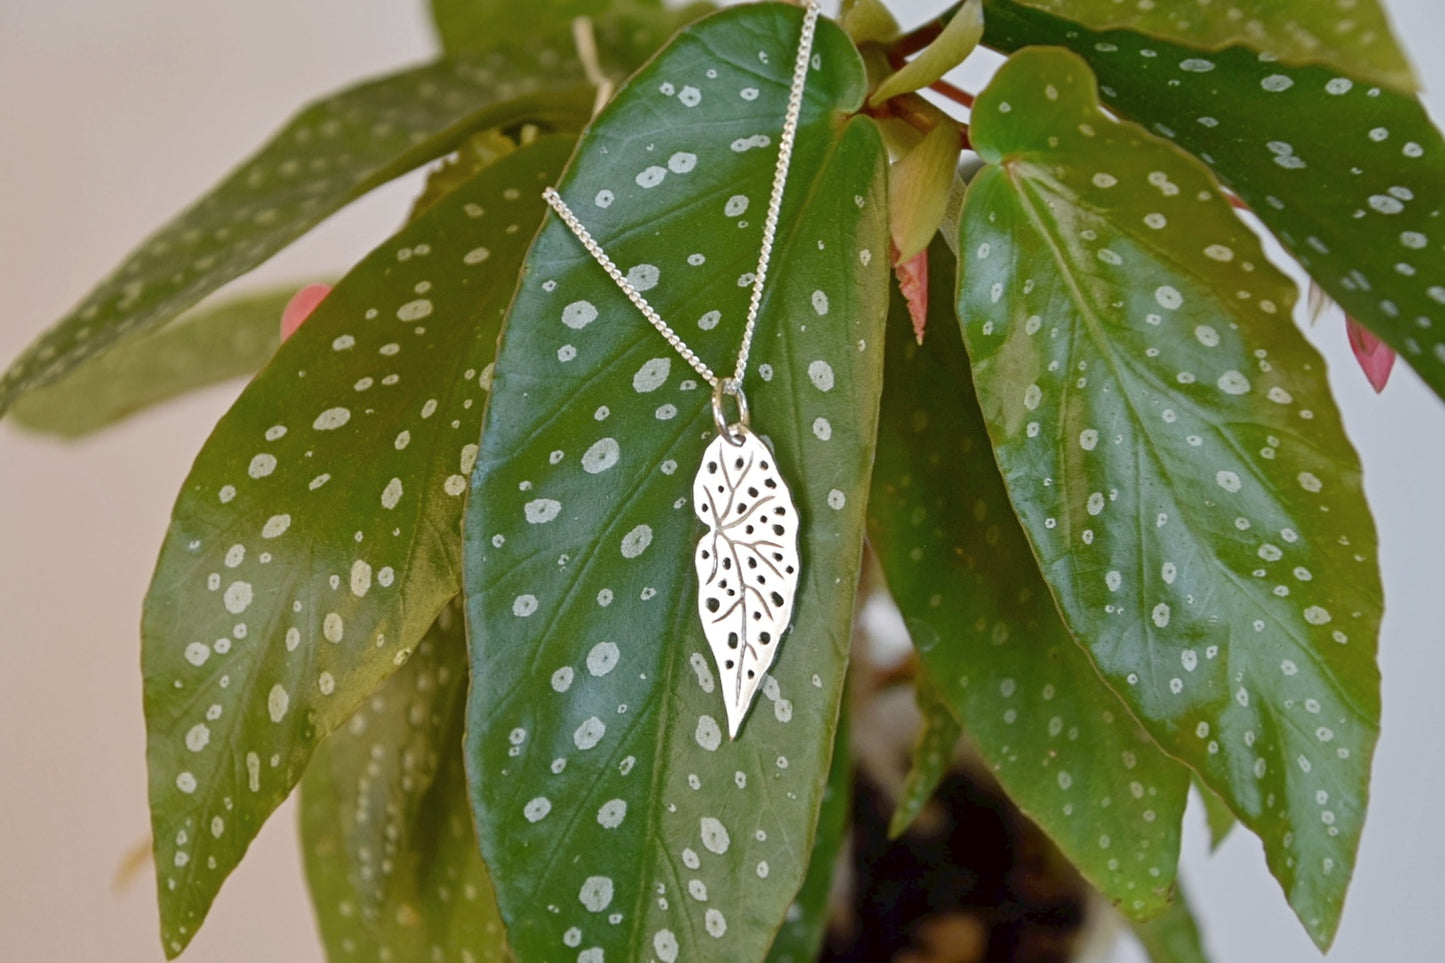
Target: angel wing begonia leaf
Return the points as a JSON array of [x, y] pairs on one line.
[[1348, 175], [619, 819], [318, 534], [994, 648], [334, 151], [1170, 444]]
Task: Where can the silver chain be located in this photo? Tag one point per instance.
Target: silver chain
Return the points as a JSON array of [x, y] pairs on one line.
[[732, 385]]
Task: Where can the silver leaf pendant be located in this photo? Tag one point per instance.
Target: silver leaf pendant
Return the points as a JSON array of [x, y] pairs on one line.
[[747, 563]]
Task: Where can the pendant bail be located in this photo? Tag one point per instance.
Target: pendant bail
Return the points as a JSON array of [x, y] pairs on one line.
[[735, 431]]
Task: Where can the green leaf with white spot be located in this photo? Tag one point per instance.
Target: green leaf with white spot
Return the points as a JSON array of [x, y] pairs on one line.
[[200, 348], [333, 152], [932, 754], [1173, 936], [1350, 177], [807, 920], [318, 534], [617, 816], [1352, 36], [1170, 444], [1059, 741], [391, 859]]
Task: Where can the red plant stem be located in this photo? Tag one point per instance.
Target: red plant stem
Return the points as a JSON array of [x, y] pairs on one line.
[[955, 94]]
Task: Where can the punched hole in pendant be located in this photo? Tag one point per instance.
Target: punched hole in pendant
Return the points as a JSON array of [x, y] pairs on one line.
[[732, 640], [713, 605]]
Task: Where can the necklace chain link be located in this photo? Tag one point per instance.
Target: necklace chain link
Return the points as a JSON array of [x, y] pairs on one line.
[[732, 385]]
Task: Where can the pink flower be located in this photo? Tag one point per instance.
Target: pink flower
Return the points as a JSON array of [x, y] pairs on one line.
[[300, 306], [1375, 357]]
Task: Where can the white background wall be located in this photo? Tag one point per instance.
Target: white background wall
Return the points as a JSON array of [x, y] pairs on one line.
[[115, 115]]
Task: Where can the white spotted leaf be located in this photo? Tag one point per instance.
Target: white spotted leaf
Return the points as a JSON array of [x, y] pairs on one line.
[[334, 151], [318, 534], [1170, 444], [202, 347], [386, 832], [619, 819], [746, 562], [1350, 36], [807, 921], [1349, 176], [991, 643]]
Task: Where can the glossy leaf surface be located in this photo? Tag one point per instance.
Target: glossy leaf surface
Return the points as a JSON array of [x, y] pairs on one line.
[[1350, 177], [386, 831], [618, 818], [1171, 447], [331, 153], [318, 534], [200, 348], [1060, 742], [1349, 36]]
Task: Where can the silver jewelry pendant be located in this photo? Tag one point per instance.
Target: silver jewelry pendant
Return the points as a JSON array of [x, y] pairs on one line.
[[747, 562]]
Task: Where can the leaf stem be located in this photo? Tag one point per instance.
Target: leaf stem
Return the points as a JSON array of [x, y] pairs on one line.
[[956, 94], [920, 115]]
